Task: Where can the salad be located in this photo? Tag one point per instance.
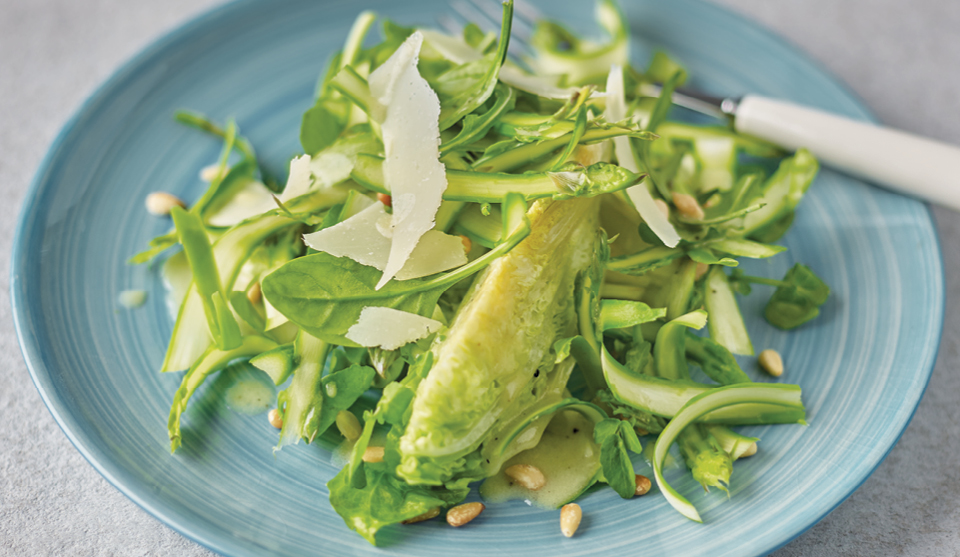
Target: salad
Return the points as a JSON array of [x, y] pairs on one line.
[[492, 270]]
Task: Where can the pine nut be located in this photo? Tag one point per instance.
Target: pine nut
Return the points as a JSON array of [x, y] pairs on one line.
[[570, 516], [643, 485], [160, 203], [385, 199], [688, 206], [276, 420], [771, 362], [467, 243], [527, 476], [349, 425], [254, 293], [462, 514], [373, 454], [210, 172], [751, 450], [702, 269], [662, 205], [421, 517]]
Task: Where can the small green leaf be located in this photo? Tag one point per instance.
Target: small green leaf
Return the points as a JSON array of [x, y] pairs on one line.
[[324, 294], [798, 300], [323, 123], [614, 440], [339, 390], [384, 499]]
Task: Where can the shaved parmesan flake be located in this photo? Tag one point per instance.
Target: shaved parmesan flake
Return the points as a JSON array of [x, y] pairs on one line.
[[356, 238], [436, 252], [360, 238], [412, 169], [298, 182], [390, 328], [254, 199], [638, 194]]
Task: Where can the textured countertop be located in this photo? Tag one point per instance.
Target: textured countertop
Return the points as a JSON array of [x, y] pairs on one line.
[[902, 58]]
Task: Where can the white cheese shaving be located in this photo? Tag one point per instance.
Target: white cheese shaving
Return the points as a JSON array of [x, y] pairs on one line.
[[360, 238], [331, 168], [252, 200], [356, 237], [298, 181], [436, 252], [390, 328], [639, 194], [412, 170]]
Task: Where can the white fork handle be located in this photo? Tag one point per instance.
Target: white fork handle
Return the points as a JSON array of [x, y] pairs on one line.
[[898, 160]]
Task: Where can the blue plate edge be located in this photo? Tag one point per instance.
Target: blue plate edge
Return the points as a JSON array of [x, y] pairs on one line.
[[941, 285], [941, 292], [22, 321], [228, 545]]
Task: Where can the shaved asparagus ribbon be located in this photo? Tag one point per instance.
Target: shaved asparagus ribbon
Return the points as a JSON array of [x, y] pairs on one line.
[[720, 397]]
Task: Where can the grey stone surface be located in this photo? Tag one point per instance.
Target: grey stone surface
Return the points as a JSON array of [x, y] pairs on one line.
[[902, 58]]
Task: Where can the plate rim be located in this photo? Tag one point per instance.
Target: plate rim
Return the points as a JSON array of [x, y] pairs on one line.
[[42, 377]]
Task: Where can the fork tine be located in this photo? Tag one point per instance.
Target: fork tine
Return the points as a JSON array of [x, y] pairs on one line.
[[527, 12], [487, 16], [469, 13], [449, 24], [521, 29]]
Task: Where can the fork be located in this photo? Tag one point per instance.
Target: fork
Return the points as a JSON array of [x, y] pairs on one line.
[[896, 159]]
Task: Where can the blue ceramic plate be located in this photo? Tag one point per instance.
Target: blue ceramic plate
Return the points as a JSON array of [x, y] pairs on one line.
[[863, 364]]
